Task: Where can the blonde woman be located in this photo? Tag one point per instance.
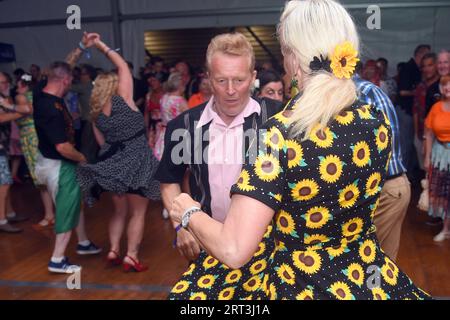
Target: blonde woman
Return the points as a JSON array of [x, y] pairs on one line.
[[318, 176], [126, 164]]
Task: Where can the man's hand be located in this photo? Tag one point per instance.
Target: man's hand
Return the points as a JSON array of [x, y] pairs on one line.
[[187, 245]]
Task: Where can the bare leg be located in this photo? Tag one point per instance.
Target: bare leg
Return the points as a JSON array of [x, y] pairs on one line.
[[48, 207], [61, 242], [138, 207], [117, 224], [446, 225], [81, 228], [15, 164], [3, 195]]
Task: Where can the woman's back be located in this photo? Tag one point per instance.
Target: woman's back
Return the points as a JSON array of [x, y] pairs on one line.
[[329, 183]]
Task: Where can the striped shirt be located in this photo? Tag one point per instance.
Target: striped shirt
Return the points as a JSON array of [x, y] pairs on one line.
[[371, 94]]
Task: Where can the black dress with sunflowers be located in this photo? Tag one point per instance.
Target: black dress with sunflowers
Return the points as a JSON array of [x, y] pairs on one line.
[[324, 191]]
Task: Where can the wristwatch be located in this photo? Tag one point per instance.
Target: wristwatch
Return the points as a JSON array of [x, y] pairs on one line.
[[187, 215]]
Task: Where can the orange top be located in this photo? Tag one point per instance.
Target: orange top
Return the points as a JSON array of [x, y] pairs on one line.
[[196, 100], [438, 120]]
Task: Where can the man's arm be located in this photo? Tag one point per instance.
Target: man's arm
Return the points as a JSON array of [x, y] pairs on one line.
[[186, 243], [68, 151]]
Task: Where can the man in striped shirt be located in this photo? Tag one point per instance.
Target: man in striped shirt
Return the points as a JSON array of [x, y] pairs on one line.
[[396, 193]]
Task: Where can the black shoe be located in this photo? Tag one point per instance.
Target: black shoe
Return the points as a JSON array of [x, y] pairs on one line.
[[17, 219], [9, 228]]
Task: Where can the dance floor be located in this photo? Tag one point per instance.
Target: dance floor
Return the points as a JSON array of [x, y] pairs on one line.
[[24, 257]]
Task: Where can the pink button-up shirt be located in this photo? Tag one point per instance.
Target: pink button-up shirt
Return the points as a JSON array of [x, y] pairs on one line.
[[224, 154]]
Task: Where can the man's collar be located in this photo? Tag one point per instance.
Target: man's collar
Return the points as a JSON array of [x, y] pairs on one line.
[[209, 114]]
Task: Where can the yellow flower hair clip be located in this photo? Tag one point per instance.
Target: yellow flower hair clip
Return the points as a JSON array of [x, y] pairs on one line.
[[344, 60]]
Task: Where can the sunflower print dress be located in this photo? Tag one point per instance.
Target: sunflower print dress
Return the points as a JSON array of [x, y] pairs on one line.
[[324, 191]]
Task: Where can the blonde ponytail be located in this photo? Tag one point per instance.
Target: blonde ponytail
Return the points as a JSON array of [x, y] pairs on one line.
[[324, 96], [310, 30]]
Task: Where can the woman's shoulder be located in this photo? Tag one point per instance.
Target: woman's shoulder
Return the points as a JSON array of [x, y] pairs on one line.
[[437, 107]]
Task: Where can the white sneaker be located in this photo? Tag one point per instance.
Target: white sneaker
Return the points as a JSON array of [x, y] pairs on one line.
[[441, 236], [165, 214]]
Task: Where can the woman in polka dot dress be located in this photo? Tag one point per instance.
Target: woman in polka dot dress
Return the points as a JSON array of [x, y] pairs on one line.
[[126, 165], [317, 181]]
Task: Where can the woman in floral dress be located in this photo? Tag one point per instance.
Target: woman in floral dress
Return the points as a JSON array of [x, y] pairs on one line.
[[317, 181]]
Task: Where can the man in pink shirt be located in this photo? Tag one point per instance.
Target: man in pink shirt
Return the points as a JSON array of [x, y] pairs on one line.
[[212, 139]]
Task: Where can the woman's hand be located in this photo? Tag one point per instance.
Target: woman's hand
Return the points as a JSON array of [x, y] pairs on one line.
[[90, 39], [180, 205]]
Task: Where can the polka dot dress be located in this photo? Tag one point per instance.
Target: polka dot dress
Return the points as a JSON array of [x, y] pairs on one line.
[[324, 191], [127, 164]]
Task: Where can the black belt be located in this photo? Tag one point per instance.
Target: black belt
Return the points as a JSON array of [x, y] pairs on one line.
[[118, 146]]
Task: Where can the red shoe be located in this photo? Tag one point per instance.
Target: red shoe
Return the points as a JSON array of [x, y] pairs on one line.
[[116, 261], [136, 266]]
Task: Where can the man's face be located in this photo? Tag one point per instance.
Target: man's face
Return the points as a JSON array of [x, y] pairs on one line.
[[231, 80], [443, 64], [429, 69], [4, 85]]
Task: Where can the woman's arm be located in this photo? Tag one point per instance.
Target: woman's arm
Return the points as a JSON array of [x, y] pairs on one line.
[[98, 135], [23, 105], [125, 88], [429, 138], [87, 41], [236, 240]]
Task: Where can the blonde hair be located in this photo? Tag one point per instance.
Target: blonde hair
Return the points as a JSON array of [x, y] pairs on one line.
[[173, 83], [104, 88], [308, 29], [235, 44]]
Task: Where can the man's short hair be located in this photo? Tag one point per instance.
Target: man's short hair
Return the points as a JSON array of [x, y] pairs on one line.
[[430, 55], [421, 47], [58, 70], [235, 44]]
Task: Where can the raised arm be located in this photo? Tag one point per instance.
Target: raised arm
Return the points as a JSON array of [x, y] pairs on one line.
[[125, 87], [86, 42]]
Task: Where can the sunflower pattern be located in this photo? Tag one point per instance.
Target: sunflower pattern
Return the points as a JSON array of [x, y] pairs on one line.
[[267, 167], [322, 137], [274, 139], [321, 243], [330, 168], [381, 138]]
